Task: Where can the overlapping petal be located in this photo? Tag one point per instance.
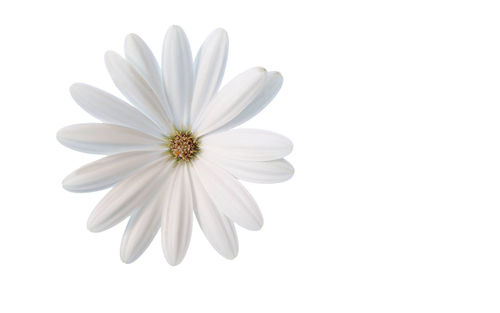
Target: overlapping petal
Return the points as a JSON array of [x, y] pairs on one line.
[[262, 172], [141, 57], [109, 170], [229, 195], [218, 229], [248, 144], [177, 66], [112, 110], [130, 194], [106, 139], [177, 217], [143, 225], [137, 90], [274, 80], [209, 69], [230, 101]]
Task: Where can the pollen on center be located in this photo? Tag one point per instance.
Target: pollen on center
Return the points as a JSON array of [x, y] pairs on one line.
[[183, 145]]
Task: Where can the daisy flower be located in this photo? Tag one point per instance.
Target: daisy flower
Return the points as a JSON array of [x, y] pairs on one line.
[[174, 151]]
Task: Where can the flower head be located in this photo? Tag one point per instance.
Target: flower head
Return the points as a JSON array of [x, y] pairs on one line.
[[173, 151]]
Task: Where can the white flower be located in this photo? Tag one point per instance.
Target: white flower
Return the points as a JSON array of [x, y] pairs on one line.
[[174, 151]]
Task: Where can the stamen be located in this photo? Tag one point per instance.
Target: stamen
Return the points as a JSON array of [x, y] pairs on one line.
[[183, 146]]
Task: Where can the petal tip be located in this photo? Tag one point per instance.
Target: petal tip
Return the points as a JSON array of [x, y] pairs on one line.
[[174, 261], [60, 135], [220, 32], [125, 259], [277, 75], [66, 183], [110, 56], [126, 256], [231, 255], [132, 40], [75, 87], [257, 225], [175, 28], [131, 36], [292, 171], [93, 224]]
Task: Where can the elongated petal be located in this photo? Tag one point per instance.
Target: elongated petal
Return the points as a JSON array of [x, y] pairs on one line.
[[262, 172], [143, 226], [108, 171], [248, 144], [105, 139], [229, 195], [231, 100], [178, 74], [140, 56], [110, 109], [274, 80], [218, 229], [136, 89], [130, 194], [209, 70], [177, 218]]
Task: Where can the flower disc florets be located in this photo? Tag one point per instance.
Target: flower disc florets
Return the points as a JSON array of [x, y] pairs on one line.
[[183, 145]]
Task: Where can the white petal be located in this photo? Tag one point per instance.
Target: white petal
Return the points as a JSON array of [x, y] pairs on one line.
[[105, 139], [274, 80], [143, 226], [140, 56], [218, 229], [136, 89], [262, 172], [177, 218], [110, 109], [248, 144], [177, 67], [229, 195], [231, 100], [209, 70], [107, 171], [130, 194]]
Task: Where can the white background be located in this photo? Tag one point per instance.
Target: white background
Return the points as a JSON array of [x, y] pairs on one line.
[[393, 107]]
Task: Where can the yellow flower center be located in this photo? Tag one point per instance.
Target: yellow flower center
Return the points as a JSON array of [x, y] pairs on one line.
[[183, 146]]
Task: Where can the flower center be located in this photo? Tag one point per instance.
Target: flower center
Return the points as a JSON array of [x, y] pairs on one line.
[[183, 146]]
